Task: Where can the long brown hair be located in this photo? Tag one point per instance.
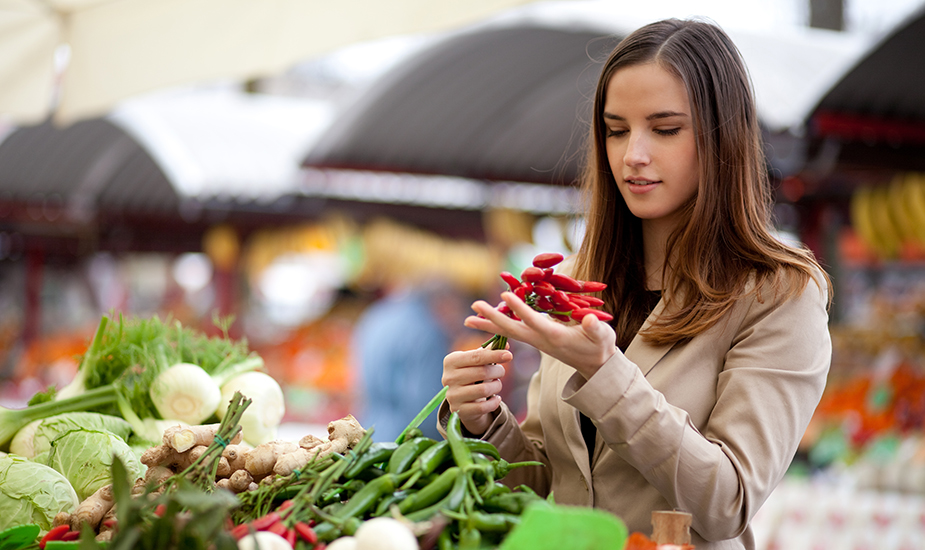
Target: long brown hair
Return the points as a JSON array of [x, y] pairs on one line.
[[726, 236]]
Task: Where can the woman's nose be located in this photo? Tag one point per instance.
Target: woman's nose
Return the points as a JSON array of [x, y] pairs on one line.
[[637, 151]]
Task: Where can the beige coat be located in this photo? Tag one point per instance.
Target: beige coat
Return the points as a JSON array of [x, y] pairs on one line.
[[709, 426]]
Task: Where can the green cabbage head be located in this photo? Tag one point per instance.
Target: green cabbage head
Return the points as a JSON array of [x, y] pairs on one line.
[[36, 437], [84, 457], [32, 493]]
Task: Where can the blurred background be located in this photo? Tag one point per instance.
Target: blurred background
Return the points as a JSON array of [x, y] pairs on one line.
[[324, 173]]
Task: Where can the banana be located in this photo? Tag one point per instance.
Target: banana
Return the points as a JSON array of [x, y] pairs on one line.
[[899, 209], [862, 220], [914, 186], [886, 223]]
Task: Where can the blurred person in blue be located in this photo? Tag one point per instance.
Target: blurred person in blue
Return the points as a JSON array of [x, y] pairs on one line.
[[399, 344]]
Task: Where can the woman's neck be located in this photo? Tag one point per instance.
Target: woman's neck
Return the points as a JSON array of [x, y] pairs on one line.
[[654, 243]]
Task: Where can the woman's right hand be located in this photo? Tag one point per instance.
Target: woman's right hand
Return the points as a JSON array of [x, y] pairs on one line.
[[473, 381]]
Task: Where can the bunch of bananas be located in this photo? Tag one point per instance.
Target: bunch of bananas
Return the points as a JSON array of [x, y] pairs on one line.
[[887, 217]]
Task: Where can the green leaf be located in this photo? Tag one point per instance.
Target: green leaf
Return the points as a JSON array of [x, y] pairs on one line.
[[18, 537], [553, 527]]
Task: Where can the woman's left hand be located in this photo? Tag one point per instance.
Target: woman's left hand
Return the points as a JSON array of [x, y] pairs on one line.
[[584, 347]]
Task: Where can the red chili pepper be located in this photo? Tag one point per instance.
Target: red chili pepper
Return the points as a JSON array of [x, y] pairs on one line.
[[580, 314], [160, 509], [521, 292], [55, 533], [544, 304], [578, 301], [290, 537], [111, 523], [592, 286], [561, 301], [564, 282], [559, 316], [69, 536], [286, 504], [505, 309], [544, 288], [240, 531], [547, 259], [306, 532], [261, 524], [278, 528], [592, 301], [510, 279], [533, 274]]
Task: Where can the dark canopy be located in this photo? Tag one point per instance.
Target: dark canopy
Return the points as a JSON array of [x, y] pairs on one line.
[[474, 102]]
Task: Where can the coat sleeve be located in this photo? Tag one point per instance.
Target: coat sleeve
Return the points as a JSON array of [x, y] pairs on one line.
[[771, 381], [517, 442]]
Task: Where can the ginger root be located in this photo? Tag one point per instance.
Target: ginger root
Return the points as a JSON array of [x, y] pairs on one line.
[[261, 459], [343, 434], [93, 508], [183, 438]]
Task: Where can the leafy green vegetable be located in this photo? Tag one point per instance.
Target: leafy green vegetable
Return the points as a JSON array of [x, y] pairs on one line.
[[19, 537], [85, 458], [32, 493], [122, 360], [36, 437]]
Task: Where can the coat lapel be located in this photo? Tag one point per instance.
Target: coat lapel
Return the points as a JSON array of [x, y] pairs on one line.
[[642, 353], [571, 427]]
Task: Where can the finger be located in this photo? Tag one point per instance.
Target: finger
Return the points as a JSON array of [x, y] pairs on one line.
[[594, 328], [478, 409], [470, 375], [476, 392], [478, 356]]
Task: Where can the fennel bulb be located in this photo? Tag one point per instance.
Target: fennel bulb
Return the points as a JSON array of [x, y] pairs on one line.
[[185, 392], [260, 421]]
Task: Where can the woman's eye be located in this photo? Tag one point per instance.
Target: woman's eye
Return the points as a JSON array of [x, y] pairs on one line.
[[615, 132], [668, 131]]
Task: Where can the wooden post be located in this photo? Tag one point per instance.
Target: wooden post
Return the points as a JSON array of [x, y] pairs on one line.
[[671, 527]]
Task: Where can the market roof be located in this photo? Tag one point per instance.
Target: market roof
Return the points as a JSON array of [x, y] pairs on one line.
[[509, 99]]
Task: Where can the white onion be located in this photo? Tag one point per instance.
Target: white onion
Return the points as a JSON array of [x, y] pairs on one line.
[[185, 392]]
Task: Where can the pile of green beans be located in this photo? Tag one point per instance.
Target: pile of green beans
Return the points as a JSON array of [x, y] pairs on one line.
[[450, 488]]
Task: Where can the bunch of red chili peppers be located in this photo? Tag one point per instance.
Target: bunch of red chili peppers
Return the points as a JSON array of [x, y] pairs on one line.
[[546, 291]]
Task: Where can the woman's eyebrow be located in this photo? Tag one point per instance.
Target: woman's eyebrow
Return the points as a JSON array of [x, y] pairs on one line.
[[653, 116]]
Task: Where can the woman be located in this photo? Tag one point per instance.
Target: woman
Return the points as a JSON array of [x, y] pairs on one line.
[[698, 394]]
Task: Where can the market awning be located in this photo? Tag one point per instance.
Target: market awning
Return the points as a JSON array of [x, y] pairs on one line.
[[509, 100]]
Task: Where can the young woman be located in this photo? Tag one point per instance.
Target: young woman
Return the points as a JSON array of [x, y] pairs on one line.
[[696, 395]]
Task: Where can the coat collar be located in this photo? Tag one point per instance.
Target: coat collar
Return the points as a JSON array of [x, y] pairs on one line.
[[644, 354]]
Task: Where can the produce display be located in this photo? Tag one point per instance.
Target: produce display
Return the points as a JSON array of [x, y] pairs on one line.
[[166, 438]]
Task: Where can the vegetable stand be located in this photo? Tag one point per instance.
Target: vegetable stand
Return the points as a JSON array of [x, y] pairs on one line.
[[168, 439]]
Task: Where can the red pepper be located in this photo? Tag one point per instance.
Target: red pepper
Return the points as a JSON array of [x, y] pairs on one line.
[[510, 279], [579, 314], [160, 509], [592, 286], [505, 309], [533, 274], [592, 301], [561, 301], [544, 288], [547, 259], [578, 301], [69, 536], [306, 532], [564, 282], [544, 304], [286, 504], [240, 531], [261, 524], [278, 528], [55, 533], [290, 537], [521, 292], [559, 316], [110, 523]]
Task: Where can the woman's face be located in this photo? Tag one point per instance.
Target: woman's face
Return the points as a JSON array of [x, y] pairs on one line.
[[650, 142]]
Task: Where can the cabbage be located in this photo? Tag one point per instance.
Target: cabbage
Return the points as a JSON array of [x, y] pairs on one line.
[[85, 459], [36, 437], [32, 493]]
